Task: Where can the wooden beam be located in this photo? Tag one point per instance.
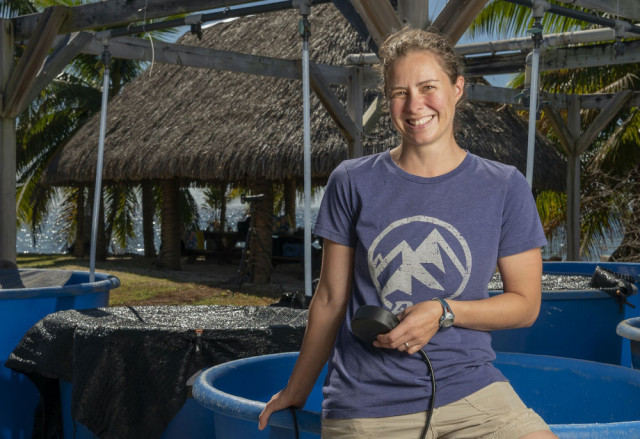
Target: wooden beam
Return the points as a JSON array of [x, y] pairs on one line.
[[605, 116], [379, 17], [202, 57], [456, 16], [414, 12], [333, 105], [355, 110], [31, 61], [112, 13], [55, 64], [559, 126], [555, 59], [589, 56], [372, 115], [617, 8], [8, 230]]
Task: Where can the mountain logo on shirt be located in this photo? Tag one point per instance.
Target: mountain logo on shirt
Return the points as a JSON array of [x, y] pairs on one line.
[[418, 253]]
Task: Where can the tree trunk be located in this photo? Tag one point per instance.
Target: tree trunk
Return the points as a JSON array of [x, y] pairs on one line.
[[102, 243], [170, 256], [290, 201], [148, 212], [223, 208], [261, 241], [78, 246]]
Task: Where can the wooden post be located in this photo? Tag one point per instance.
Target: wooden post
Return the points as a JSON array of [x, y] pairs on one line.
[[355, 108], [414, 12], [8, 229], [573, 182]]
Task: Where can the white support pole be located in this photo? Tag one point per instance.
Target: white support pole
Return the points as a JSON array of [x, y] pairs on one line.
[[305, 10], [536, 36], [98, 189], [533, 110]]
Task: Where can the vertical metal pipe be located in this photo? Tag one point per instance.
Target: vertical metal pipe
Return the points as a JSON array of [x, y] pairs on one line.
[[533, 109], [306, 109], [99, 165]]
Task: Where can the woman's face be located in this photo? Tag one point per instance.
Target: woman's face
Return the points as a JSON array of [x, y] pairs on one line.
[[422, 100]]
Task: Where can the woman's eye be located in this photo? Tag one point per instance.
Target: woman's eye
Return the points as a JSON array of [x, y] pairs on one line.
[[397, 94]]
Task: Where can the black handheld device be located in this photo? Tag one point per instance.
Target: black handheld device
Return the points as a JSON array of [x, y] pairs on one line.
[[369, 321]]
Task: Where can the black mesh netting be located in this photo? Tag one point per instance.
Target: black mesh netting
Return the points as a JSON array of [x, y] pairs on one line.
[[129, 366]]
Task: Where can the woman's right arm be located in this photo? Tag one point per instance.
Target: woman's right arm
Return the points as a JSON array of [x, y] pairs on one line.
[[326, 312]]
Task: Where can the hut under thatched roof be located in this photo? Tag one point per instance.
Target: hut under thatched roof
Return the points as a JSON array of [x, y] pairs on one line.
[[206, 125], [185, 124]]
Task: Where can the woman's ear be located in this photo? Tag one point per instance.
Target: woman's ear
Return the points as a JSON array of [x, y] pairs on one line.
[[459, 88]]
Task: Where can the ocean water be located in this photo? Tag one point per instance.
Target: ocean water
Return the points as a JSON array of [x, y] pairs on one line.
[[51, 240]]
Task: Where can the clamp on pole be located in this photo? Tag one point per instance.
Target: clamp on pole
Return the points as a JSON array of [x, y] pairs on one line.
[[304, 27], [620, 30]]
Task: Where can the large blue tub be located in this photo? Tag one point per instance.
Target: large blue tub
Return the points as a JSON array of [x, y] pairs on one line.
[[579, 399], [46, 291], [577, 323]]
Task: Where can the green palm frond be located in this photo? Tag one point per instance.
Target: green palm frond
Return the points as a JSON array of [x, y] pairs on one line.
[[121, 203]]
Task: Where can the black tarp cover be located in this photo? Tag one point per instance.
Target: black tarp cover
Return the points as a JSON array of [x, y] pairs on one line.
[[129, 366]]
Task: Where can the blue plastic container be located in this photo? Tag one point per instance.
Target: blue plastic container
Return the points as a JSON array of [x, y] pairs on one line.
[[577, 398], [193, 421], [576, 324], [630, 330], [21, 308]]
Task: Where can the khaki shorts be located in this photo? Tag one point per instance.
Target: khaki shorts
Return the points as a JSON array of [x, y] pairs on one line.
[[494, 412]]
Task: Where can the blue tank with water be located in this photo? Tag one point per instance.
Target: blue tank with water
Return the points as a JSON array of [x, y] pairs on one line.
[[26, 296], [577, 398]]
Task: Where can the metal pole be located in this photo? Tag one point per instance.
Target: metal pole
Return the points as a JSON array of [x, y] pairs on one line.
[[305, 10], [536, 31], [106, 59]]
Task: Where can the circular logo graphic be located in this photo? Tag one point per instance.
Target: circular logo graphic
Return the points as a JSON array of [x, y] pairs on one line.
[[419, 251]]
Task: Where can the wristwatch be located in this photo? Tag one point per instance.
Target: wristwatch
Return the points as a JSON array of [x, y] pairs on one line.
[[447, 315]]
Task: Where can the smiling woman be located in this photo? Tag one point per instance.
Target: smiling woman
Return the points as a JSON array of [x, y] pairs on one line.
[[419, 230]]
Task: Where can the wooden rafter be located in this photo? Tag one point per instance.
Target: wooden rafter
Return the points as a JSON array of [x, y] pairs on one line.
[[456, 16], [379, 17], [622, 8], [179, 54], [111, 13], [330, 101], [29, 65]]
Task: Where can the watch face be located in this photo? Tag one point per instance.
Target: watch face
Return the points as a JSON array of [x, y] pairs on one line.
[[446, 320]]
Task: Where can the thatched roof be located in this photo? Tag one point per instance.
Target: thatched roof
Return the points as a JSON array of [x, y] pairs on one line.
[[206, 125]]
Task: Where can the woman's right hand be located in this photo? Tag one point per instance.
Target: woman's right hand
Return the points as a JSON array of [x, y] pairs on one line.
[[279, 401]]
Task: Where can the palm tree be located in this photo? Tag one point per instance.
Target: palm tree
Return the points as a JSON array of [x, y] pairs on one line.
[[50, 121], [614, 153]]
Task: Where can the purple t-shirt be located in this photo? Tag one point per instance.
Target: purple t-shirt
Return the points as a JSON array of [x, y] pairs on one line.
[[415, 239]]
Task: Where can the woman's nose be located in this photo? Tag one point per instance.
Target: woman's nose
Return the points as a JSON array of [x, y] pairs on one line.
[[414, 103]]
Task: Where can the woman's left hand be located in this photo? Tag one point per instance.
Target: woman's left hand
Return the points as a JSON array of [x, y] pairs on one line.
[[418, 324]]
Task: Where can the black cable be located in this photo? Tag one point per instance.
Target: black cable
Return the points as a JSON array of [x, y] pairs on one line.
[[295, 422], [433, 393]]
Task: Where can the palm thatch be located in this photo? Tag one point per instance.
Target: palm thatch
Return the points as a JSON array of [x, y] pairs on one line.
[[205, 126]]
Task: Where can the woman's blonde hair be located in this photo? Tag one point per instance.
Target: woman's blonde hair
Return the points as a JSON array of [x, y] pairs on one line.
[[408, 40]]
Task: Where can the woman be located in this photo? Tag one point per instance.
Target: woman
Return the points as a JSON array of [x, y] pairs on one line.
[[419, 230]]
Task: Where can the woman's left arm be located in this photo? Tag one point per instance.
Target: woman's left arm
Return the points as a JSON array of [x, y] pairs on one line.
[[516, 307]]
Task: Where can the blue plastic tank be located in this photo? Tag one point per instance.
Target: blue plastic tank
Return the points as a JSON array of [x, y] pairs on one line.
[[577, 324], [577, 398], [46, 291]]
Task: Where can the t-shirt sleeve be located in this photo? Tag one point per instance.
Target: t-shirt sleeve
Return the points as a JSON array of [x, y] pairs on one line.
[[521, 226], [336, 217]]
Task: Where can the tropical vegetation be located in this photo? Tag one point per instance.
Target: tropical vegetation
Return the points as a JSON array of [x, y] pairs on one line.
[[609, 199]]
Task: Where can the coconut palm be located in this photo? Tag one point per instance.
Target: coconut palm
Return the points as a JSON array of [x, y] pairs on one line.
[[50, 121], [613, 155]]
